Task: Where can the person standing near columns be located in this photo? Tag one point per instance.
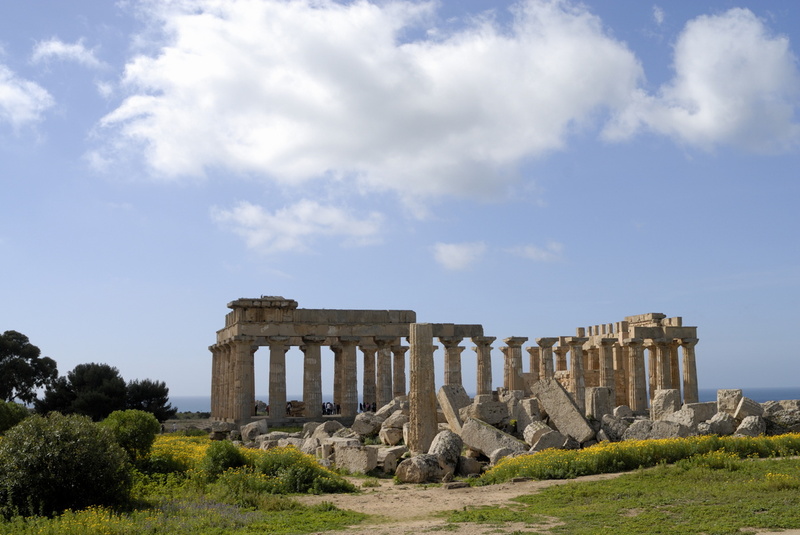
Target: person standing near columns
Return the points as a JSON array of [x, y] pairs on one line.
[[277, 376], [483, 349], [312, 375], [422, 422], [452, 359], [578, 390], [690, 391]]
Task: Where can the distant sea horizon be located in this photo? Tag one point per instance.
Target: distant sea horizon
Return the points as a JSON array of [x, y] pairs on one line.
[[759, 394]]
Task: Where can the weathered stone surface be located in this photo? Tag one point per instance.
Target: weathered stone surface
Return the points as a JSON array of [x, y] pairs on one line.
[[499, 453], [420, 469], [483, 437], [337, 442], [685, 416], [748, 407], [491, 412], [728, 400], [399, 403], [390, 436], [310, 446], [665, 402], [527, 413], [453, 398], [599, 402], [638, 430], [562, 410], [782, 416], [389, 457], [326, 429], [534, 430], [253, 429], [549, 439], [721, 424], [468, 466], [448, 445], [422, 392], [356, 459], [665, 429], [309, 427], [367, 424], [614, 427], [398, 419], [623, 411], [751, 426], [291, 441]]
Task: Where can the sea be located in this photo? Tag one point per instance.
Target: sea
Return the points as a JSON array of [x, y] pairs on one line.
[[760, 394]]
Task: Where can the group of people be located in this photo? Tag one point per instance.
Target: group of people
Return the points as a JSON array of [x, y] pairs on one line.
[[329, 409], [366, 407]]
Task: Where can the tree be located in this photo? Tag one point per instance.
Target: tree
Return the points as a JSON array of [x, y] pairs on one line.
[[95, 390], [151, 396], [134, 430], [22, 369], [11, 414]]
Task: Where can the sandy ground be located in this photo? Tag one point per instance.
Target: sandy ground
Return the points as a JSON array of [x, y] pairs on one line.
[[412, 509]]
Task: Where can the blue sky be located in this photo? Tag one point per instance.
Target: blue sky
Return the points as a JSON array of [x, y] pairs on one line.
[[530, 166]]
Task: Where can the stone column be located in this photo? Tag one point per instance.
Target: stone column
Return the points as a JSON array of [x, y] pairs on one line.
[[674, 364], [384, 392], [561, 356], [216, 379], [690, 393], [578, 382], [546, 344], [368, 394], [277, 376], [312, 375], [338, 371], [652, 349], [592, 358], [422, 421], [452, 359], [663, 368], [228, 393], [535, 356], [244, 396], [399, 369], [483, 349], [620, 370], [607, 362], [349, 375], [637, 389], [516, 379]]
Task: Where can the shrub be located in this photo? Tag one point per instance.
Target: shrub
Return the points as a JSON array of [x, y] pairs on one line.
[[290, 471], [50, 464], [11, 414], [134, 430], [220, 456]]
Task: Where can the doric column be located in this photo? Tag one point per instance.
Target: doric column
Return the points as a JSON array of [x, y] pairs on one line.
[[216, 379], [637, 388], [422, 423], [452, 359], [578, 382], [243, 388], [338, 371], [368, 394], [514, 360], [399, 370], [592, 358], [546, 370], [384, 392], [674, 363], [690, 393], [663, 368], [349, 375], [229, 394], [561, 356], [535, 357], [277, 376], [620, 370], [652, 350], [607, 362], [312, 375], [483, 349]]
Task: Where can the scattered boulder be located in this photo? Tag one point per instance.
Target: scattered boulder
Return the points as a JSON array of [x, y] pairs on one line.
[[664, 402], [702, 411], [728, 400], [534, 430], [721, 424], [491, 412], [253, 429], [496, 455], [391, 436], [483, 437], [326, 429], [751, 426], [665, 429], [623, 411], [599, 401], [310, 446], [389, 457], [448, 445], [550, 440], [562, 410], [527, 413], [367, 424], [748, 407], [782, 416], [356, 459], [309, 427], [685, 416], [400, 403], [638, 430], [420, 469], [614, 427], [468, 466]]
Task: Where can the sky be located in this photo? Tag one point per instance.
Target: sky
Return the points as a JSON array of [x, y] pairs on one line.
[[531, 166]]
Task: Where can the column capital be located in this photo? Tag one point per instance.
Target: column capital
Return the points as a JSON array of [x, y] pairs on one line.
[[349, 340], [607, 341], [400, 349], [515, 341], [573, 341], [314, 339], [654, 342], [450, 341], [368, 348], [277, 340], [546, 342], [532, 349], [483, 340], [687, 342], [633, 341]]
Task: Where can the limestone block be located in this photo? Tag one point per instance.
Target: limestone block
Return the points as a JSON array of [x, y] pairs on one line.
[[549, 440], [664, 402], [356, 459], [398, 419], [638, 430], [751, 426], [483, 398], [468, 466], [399, 403], [572, 444], [623, 411], [534, 430], [728, 400], [702, 411], [326, 429], [390, 436], [309, 427], [782, 416], [496, 455], [291, 441], [451, 399], [685, 416], [388, 459], [222, 427], [310, 446], [748, 407], [527, 413], [491, 412], [614, 427], [367, 424], [599, 402], [253, 429], [648, 430], [406, 427], [721, 424], [420, 469], [266, 444], [324, 451], [562, 410], [483, 437], [340, 442], [448, 445], [704, 429]]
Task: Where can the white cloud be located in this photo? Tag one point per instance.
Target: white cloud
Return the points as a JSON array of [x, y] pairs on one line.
[[21, 101], [58, 49], [552, 252], [294, 227], [295, 90], [658, 15], [734, 84], [458, 256]]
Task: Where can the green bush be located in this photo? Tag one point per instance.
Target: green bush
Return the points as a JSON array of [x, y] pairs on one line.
[[288, 471], [50, 464], [220, 456], [134, 430], [11, 414]]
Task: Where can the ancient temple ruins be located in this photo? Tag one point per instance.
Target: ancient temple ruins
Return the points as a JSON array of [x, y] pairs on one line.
[[607, 355]]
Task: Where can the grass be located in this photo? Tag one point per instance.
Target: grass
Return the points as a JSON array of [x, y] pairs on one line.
[[713, 493]]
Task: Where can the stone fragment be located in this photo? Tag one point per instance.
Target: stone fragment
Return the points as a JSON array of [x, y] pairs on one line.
[[389, 457], [499, 453], [664, 402], [614, 427], [721, 424], [702, 411], [448, 445], [748, 407], [326, 429], [664, 429], [291, 441], [420, 469], [534, 430], [483, 437], [309, 427], [638, 430], [728, 400], [391, 436], [356, 459], [310, 446], [491, 412], [782, 416], [751, 426], [685, 416], [527, 413], [599, 402], [468, 466], [399, 403], [562, 410], [367, 424], [253, 429], [623, 411], [549, 440], [398, 419]]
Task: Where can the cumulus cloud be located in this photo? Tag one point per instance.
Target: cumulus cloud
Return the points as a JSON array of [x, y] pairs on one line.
[[295, 90], [21, 101], [735, 83], [552, 252], [458, 256], [294, 227], [58, 49]]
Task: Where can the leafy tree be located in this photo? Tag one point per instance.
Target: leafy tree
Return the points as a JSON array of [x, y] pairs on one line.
[[22, 369], [95, 390], [50, 464], [11, 414], [151, 396], [134, 430]]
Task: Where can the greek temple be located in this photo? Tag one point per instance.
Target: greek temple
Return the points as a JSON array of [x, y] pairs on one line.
[[606, 355]]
